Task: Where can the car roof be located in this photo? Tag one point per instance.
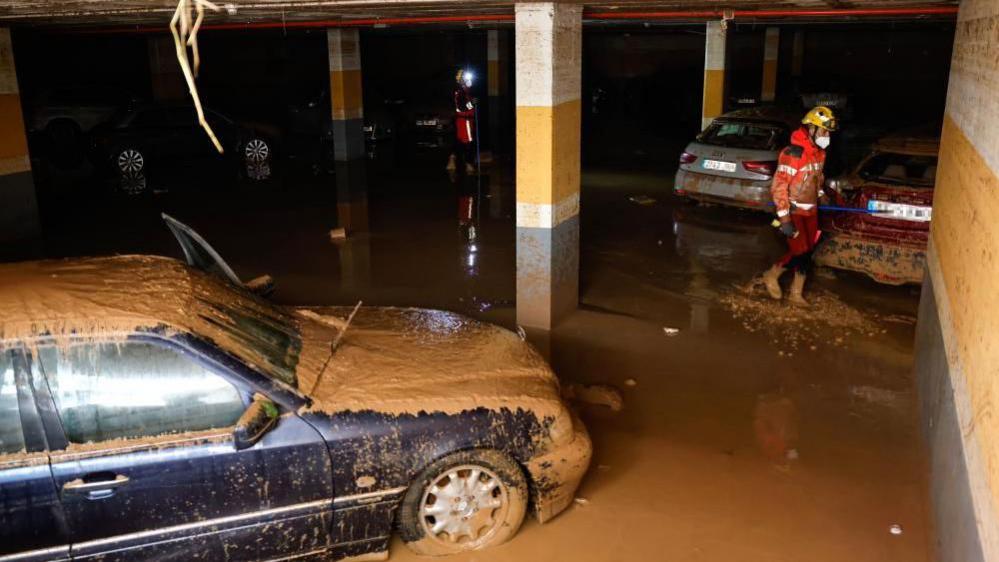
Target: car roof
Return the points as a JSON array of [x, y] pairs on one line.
[[89, 294], [767, 113], [112, 297]]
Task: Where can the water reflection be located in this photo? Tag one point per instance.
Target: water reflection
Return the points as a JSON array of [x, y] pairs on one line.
[[133, 183]]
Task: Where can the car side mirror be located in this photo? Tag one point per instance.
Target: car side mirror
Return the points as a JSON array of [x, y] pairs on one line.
[[255, 422]]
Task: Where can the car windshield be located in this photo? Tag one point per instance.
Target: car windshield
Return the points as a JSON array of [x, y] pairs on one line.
[[256, 332], [744, 134], [901, 169]]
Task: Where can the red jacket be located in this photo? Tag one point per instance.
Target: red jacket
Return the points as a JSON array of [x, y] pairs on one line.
[[464, 119], [797, 185]]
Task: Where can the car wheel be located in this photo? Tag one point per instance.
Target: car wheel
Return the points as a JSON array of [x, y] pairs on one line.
[[256, 150], [129, 161], [465, 501]]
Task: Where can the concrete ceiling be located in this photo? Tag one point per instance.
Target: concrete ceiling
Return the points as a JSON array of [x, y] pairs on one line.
[[157, 12]]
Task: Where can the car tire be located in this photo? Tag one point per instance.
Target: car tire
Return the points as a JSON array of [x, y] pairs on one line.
[[474, 516], [257, 150], [128, 160]]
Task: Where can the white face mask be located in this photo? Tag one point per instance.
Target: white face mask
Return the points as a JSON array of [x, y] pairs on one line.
[[822, 142]]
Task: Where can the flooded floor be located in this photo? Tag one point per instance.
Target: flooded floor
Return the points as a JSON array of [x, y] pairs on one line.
[[749, 431]]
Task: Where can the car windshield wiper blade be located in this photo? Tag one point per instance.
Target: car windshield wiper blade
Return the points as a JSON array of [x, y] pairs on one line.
[[333, 347]]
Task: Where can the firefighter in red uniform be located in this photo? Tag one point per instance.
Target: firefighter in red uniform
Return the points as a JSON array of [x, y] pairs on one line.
[[796, 191], [464, 122]]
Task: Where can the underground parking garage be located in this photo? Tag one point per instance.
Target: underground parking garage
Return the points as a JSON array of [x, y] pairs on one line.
[[494, 280]]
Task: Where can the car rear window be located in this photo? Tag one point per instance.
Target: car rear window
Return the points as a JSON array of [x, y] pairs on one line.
[[900, 169], [744, 134]]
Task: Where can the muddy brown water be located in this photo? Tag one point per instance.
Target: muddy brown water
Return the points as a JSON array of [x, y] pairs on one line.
[[732, 444]]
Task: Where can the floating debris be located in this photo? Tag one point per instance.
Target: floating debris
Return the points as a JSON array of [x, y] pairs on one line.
[[338, 235], [581, 501], [644, 200], [670, 332], [630, 382], [895, 529]]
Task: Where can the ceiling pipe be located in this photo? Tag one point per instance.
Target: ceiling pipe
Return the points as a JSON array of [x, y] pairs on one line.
[[587, 16], [741, 14]]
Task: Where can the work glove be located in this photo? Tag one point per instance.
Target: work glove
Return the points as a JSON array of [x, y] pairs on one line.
[[788, 229]]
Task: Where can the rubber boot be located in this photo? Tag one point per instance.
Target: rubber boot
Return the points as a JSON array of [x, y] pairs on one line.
[[452, 164], [797, 286], [772, 281]]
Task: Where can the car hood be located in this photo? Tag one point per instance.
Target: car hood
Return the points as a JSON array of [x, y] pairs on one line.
[[408, 360]]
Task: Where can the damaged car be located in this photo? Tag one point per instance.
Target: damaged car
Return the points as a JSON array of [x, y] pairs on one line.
[[157, 409], [884, 227]]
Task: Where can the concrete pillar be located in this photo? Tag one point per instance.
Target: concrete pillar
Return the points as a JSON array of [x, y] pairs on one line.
[[714, 73], [345, 93], [798, 54], [770, 49], [957, 353], [18, 206], [548, 57], [497, 53], [166, 78]]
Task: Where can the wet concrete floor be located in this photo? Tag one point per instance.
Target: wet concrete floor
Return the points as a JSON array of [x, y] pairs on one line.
[[754, 433]]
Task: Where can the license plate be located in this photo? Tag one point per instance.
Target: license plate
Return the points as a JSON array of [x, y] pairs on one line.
[[901, 211], [718, 165]]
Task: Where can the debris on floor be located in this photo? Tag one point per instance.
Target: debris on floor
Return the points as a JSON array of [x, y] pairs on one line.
[[595, 394], [338, 235], [791, 327], [644, 200]]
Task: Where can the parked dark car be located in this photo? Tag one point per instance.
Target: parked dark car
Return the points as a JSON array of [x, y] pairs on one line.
[[156, 410], [151, 136], [894, 184]]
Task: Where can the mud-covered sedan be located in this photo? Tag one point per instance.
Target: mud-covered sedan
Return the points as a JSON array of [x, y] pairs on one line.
[[150, 410]]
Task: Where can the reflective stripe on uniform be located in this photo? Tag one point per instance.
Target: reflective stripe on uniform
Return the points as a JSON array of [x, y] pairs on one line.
[[803, 206], [787, 169], [783, 213]]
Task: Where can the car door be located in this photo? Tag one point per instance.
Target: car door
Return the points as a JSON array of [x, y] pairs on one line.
[[151, 471], [32, 526]]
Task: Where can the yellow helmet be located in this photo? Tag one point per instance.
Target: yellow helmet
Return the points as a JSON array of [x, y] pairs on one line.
[[822, 117]]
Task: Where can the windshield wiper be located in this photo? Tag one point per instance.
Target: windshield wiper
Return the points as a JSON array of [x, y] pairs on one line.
[[333, 347]]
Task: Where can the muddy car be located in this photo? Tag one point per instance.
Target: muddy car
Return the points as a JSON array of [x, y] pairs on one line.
[[892, 192], [155, 409], [733, 161]]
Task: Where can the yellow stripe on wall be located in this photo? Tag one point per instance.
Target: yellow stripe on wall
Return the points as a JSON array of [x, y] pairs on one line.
[[714, 92], [769, 80], [345, 94], [548, 149], [965, 229], [13, 143]]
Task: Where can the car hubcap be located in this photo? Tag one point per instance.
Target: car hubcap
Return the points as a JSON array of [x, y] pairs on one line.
[[257, 150], [130, 161], [465, 505]]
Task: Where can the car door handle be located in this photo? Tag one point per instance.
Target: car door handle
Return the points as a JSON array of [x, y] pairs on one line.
[[94, 489]]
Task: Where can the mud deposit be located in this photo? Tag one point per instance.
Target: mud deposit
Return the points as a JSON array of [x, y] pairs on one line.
[[792, 328]]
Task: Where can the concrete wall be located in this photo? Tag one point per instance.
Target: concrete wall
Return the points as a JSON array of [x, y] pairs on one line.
[[958, 350]]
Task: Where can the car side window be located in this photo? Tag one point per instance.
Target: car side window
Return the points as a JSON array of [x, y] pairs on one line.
[[11, 434], [133, 389]]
